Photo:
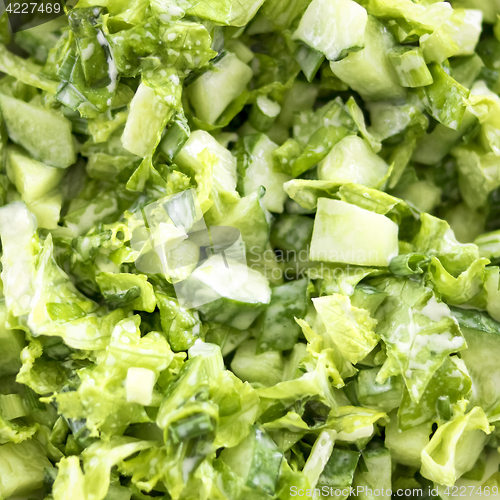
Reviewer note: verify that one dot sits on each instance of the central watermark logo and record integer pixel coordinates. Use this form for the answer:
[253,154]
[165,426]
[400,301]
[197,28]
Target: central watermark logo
[170,237]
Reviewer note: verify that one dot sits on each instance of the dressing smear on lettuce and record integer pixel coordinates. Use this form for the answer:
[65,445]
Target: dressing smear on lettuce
[250,250]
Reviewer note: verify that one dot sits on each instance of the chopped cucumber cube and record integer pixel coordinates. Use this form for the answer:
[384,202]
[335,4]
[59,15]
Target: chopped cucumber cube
[352,235]
[139,385]
[45,134]
[205,95]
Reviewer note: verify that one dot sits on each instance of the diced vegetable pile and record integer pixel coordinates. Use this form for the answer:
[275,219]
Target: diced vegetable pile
[249,250]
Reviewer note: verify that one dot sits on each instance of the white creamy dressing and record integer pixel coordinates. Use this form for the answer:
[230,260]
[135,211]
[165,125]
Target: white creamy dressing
[435,310]
[112,70]
[88,52]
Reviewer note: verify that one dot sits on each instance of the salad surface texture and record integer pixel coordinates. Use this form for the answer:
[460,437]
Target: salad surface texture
[250,250]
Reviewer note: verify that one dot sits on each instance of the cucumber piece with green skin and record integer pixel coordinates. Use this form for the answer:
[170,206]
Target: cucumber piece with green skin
[373,60]
[240,49]
[339,472]
[33,179]
[377,475]
[352,235]
[224,164]
[256,166]
[227,337]
[292,233]
[145,122]
[47,210]
[266,368]
[367,297]
[264,113]
[176,136]
[280,331]
[13,406]
[383,397]
[410,67]
[45,134]
[333,27]
[117,492]
[213,91]
[226,291]
[257,460]
[309,60]
[11,344]
[352,161]
[251,219]
[434,146]
[406,446]
[424,195]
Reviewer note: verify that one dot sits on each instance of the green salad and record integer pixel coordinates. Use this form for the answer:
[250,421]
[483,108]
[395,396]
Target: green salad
[250,250]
